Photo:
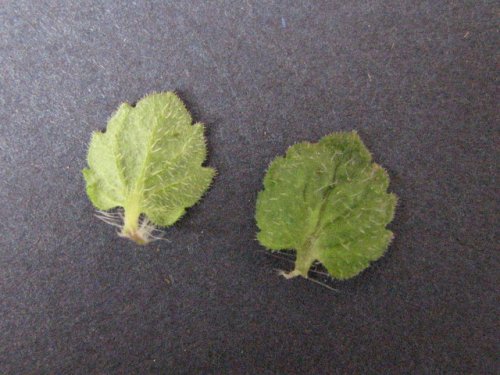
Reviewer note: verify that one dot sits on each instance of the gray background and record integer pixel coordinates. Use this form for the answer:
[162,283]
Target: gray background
[417,79]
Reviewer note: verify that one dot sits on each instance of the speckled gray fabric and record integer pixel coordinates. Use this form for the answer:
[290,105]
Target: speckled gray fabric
[417,79]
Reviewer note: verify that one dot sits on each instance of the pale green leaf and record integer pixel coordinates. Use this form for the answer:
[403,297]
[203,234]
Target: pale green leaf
[149,162]
[327,201]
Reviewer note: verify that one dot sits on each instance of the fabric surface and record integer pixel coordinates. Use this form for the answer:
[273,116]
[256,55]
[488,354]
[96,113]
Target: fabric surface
[416,79]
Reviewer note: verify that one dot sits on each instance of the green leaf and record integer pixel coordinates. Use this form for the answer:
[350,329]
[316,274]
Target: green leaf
[149,162]
[327,201]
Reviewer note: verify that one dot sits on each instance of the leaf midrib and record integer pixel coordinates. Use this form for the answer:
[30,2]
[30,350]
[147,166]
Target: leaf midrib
[138,190]
[317,227]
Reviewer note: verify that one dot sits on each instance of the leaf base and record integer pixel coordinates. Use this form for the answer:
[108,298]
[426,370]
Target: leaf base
[142,233]
[291,274]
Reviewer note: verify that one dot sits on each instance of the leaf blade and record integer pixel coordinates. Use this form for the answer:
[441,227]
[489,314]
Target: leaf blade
[321,197]
[144,148]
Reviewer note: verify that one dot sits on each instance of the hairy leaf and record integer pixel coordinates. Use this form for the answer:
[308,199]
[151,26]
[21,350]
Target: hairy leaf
[327,201]
[149,162]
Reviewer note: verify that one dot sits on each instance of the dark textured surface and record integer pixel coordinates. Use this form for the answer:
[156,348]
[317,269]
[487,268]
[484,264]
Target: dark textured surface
[415,78]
